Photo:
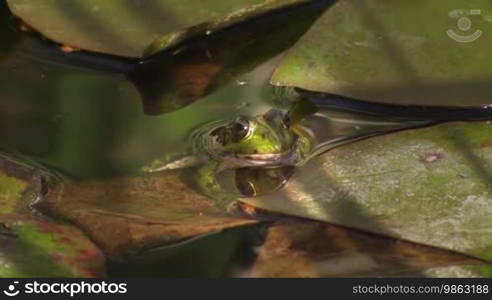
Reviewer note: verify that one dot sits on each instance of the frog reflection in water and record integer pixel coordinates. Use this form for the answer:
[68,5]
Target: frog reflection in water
[261,151]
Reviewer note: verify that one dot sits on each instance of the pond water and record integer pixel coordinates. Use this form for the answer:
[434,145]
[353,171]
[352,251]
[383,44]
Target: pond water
[84,122]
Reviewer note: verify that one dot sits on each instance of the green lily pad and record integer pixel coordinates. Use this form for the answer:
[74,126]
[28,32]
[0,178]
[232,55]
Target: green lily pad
[295,248]
[33,246]
[398,52]
[127,215]
[432,186]
[126,28]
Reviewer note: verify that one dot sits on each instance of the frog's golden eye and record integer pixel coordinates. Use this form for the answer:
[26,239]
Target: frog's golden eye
[240,129]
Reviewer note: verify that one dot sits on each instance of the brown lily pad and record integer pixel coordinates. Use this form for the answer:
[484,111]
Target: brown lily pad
[127,215]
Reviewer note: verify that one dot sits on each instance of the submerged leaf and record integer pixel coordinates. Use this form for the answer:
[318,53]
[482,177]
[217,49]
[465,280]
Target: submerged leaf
[431,186]
[33,247]
[397,52]
[127,215]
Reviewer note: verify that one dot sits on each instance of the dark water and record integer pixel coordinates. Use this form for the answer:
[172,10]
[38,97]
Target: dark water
[86,123]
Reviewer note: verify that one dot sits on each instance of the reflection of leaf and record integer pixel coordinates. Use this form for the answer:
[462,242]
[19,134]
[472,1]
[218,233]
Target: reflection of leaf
[127,215]
[310,249]
[127,27]
[431,186]
[393,51]
[33,246]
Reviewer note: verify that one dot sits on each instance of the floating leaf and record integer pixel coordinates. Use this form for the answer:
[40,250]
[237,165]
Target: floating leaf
[127,215]
[127,27]
[295,248]
[33,246]
[430,186]
[396,51]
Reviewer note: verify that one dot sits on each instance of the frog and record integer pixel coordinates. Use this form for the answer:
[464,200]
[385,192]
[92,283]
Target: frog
[261,151]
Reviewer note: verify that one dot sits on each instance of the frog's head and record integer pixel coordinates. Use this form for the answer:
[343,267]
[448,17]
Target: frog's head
[265,140]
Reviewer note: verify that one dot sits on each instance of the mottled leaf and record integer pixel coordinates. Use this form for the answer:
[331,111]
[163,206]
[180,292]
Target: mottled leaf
[32,245]
[35,247]
[431,186]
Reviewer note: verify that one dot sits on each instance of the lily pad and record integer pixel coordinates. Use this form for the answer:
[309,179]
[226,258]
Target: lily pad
[398,52]
[126,28]
[431,186]
[298,248]
[34,246]
[127,215]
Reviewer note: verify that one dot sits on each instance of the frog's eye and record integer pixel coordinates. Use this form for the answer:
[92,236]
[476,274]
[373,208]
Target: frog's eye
[240,129]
